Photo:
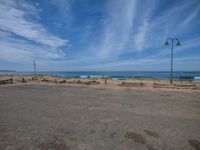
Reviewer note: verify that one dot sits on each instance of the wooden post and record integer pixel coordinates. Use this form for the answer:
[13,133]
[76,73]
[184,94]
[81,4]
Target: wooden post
[34,67]
[105,80]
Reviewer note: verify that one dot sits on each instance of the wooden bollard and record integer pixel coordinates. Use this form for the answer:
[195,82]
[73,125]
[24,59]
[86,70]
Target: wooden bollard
[11,80]
[105,81]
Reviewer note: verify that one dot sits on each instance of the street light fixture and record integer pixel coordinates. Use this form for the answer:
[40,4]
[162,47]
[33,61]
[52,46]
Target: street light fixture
[166,43]
[172,47]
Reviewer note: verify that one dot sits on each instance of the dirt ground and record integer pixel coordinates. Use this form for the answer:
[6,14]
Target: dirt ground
[41,117]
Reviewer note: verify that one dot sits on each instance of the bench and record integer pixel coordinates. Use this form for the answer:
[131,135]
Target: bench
[141,84]
[7,81]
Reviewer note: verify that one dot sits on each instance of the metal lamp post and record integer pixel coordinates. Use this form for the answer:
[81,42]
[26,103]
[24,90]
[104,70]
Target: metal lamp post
[172,48]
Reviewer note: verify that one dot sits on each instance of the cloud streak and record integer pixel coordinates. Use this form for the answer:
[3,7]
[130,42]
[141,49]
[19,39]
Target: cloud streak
[117,27]
[13,19]
[16,50]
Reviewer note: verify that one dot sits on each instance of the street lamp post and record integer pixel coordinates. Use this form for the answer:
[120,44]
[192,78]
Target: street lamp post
[172,49]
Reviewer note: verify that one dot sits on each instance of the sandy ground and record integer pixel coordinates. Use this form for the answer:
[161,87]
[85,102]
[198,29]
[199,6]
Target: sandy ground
[43,117]
[132,83]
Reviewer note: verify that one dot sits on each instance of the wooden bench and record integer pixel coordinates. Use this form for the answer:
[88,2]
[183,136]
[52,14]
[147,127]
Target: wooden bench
[185,85]
[177,86]
[141,84]
[159,85]
[93,82]
[7,81]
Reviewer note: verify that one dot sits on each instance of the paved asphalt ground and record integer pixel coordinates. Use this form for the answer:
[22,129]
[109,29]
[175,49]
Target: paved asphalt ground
[72,118]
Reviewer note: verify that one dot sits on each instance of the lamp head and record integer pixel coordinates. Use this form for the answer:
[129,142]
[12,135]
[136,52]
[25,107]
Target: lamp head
[166,43]
[178,44]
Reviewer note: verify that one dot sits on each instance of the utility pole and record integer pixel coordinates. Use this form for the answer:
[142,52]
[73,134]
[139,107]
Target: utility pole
[34,68]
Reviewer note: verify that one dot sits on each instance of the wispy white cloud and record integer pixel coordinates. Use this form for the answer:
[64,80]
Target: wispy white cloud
[22,38]
[117,26]
[21,51]
[140,37]
[63,7]
[13,18]
[137,27]
[191,16]
[155,28]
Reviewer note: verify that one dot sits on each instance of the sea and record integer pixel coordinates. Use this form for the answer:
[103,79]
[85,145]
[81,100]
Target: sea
[118,75]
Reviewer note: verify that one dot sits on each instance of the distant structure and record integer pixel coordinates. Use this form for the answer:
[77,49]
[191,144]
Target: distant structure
[34,68]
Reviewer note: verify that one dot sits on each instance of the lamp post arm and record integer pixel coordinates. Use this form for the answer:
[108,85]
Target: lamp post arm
[176,39]
[169,39]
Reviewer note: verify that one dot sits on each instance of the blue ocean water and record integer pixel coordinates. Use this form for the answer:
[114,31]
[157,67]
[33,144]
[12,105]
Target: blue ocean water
[120,75]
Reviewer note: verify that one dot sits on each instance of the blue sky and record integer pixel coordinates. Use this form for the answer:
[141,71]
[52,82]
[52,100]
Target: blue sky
[91,35]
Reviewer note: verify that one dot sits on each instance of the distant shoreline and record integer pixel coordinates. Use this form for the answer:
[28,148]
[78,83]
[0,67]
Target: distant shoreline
[120,75]
[7,71]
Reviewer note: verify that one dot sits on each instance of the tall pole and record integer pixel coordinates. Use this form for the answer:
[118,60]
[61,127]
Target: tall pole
[172,47]
[172,51]
[34,67]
